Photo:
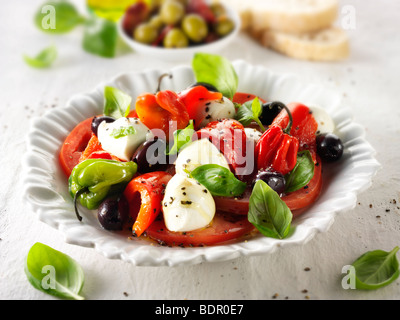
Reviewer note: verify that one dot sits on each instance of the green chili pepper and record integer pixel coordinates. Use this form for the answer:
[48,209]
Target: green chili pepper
[92,180]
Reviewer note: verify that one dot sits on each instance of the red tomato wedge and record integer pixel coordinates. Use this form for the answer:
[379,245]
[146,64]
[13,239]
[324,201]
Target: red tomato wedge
[74,145]
[296,200]
[224,228]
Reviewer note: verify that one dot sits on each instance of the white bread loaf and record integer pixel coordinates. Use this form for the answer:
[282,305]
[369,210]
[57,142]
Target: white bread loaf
[330,44]
[292,16]
[301,29]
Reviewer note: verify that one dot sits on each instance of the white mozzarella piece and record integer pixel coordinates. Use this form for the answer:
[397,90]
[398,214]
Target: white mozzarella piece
[253,134]
[324,120]
[187,205]
[198,153]
[218,109]
[129,140]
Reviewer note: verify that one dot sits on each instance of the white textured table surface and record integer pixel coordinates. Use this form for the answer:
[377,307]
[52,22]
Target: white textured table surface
[369,81]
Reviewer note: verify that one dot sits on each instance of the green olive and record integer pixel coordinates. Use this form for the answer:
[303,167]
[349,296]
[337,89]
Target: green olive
[175,38]
[172,12]
[156,21]
[224,26]
[145,33]
[218,9]
[195,27]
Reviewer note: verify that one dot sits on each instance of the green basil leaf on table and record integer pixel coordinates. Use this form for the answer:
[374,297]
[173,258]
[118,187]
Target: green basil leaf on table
[181,138]
[376,269]
[250,111]
[217,71]
[116,102]
[219,180]
[268,212]
[43,59]
[54,272]
[302,173]
[100,37]
[57,17]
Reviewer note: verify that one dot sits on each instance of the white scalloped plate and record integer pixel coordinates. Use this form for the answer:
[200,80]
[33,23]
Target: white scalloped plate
[46,190]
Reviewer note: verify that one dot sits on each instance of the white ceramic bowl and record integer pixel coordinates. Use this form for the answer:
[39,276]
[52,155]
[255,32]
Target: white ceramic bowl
[182,54]
[46,190]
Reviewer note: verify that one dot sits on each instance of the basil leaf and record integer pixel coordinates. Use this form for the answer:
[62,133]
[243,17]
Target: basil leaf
[53,272]
[219,180]
[302,172]
[268,212]
[181,138]
[250,111]
[122,132]
[43,59]
[100,37]
[376,269]
[57,17]
[117,103]
[217,71]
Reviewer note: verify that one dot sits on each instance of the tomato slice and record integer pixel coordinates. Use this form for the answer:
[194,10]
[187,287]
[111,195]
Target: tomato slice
[74,145]
[224,228]
[296,201]
[304,197]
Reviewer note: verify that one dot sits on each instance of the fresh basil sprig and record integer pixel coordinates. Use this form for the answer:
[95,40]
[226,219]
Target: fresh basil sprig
[268,212]
[100,37]
[219,180]
[250,111]
[43,59]
[217,71]
[116,102]
[376,269]
[181,138]
[54,272]
[57,17]
[302,173]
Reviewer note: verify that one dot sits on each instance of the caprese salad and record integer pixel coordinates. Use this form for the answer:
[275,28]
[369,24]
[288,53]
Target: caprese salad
[203,166]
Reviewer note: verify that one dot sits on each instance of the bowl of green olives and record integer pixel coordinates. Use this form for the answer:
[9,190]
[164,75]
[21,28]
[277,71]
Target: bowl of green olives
[176,29]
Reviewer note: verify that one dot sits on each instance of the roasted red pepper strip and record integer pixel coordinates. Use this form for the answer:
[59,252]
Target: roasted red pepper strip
[194,100]
[277,149]
[229,137]
[94,150]
[146,190]
[163,111]
[303,128]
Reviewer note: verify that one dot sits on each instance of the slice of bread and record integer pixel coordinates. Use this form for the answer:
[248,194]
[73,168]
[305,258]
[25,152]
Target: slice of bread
[330,44]
[292,16]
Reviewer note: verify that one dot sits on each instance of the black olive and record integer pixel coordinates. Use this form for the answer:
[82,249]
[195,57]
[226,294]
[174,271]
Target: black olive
[269,111]
[274,179]
[151,156]
[329,147]
[208,86]
[97,120]
[113,212]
